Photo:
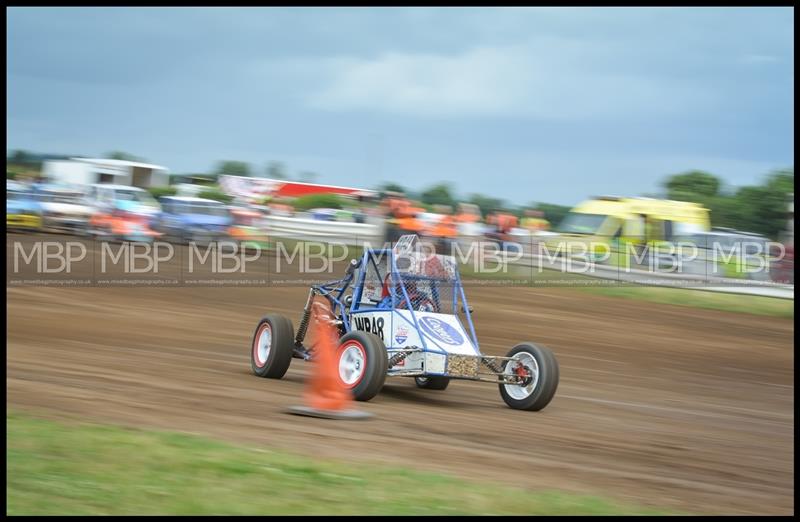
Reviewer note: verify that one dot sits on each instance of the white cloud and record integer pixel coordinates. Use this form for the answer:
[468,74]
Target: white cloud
[480,81]
[546,78]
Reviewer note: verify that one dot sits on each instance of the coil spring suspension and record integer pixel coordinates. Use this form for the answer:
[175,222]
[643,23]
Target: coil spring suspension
[397,358]
[492,365]
[303,327]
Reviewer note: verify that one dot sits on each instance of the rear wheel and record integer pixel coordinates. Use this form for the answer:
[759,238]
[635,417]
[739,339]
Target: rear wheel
[202,239]
[272,347]
[538,368]
[432,382]
[101,230]
[363,362]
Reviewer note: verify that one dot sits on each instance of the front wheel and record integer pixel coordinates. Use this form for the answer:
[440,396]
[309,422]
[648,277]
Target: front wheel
[538,369]
[272,347]
[106,234]
[363,362]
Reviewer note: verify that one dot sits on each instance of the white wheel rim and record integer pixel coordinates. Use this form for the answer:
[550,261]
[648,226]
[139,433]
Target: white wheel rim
[516,391]
[351,364]
[264,345]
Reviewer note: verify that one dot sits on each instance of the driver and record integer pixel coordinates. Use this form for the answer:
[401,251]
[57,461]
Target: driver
[420,300]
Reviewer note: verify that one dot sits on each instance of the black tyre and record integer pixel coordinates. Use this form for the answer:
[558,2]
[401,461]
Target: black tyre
[539,366]
[363,362]
[272,347]
[104,233]
[431,382]
[182,237]
[202,239]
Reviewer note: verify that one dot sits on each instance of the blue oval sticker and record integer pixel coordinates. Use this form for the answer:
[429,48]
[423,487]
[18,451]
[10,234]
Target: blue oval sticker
[441,331]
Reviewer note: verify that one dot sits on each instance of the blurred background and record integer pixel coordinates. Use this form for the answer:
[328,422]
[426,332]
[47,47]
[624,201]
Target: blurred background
[624,131]
[497,127]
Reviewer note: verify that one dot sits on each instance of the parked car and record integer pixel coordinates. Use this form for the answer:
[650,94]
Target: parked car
[23,211]
[782,267]
[324,214]
[122,213]
[64,208]
[123,198]
[184,219]
[617,230]
[725,252]
[248,228]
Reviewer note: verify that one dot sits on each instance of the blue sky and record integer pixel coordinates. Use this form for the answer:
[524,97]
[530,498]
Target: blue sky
[527,104]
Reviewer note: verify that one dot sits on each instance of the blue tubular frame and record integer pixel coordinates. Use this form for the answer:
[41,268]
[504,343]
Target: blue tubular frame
[467,312]
[327,290]
[356,274]
[457,289]
[358,289]
[334,291]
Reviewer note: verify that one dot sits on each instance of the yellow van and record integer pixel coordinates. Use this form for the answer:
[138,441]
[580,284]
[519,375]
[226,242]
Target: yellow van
[607,225]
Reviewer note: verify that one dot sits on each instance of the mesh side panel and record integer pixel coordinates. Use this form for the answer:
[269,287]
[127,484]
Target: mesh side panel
[426,295]
[372,287]
[427,265]
[463,365]
[372,291]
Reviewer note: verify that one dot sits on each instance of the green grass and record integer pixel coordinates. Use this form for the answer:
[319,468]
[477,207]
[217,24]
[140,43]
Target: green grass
[751,304]
[55,468]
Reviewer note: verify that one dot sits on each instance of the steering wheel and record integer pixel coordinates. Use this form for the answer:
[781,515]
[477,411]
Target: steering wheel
[427,306]
[420,302]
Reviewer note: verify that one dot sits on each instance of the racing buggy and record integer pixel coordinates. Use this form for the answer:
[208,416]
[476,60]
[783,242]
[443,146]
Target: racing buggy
[399,313]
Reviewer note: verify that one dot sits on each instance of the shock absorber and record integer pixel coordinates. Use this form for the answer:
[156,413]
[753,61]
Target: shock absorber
[492,365]
[303,327]
[397,358]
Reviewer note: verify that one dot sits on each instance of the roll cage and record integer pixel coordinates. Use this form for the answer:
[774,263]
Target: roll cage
[424,282]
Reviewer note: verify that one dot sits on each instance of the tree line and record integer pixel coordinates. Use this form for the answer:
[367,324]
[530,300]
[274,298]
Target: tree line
[761,208]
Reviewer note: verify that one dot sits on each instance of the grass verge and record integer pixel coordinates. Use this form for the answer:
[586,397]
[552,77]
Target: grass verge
[697,298]
[751,304]
[55,468]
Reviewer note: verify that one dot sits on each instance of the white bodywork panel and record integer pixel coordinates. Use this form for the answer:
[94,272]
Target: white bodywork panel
[66,208]
[434,363]
[442,332]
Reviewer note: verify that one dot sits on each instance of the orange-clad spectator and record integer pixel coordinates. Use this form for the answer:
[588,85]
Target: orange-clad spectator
[407,220]
[502,223]
[444,227]
[505,222]
[401,217]
[468,213]
[443,230]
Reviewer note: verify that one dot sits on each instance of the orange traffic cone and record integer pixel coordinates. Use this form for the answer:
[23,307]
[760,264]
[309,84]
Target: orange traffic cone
[325,395]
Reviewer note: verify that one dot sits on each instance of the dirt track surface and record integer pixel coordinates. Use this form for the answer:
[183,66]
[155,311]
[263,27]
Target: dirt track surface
[658,405]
